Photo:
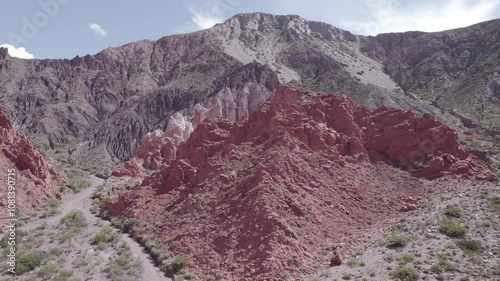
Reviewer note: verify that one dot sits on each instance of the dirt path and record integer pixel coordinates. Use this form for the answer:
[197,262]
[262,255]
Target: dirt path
[83,201]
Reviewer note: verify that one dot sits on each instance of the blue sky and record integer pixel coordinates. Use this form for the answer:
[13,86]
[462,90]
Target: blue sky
[66,28]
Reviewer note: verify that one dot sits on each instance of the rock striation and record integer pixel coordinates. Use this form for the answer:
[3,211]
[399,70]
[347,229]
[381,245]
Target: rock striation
[35,179]
[106,103]
[253,199]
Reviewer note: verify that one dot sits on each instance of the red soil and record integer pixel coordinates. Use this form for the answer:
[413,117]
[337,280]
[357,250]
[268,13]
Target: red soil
[36,180]
[254,199]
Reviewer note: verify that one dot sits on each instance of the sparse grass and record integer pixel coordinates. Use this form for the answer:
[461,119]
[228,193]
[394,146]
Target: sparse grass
[74,219]
[406,258]
[469,246]
[158,252]
[405,274]
[106,235]
[444,267]
[444,256]
[184,276]
[352,262]
[494,204]
[397,241]
[28,262]
[51,207]
[451,229]
[177,264]
[124,266]
[454,212]
[76,180]
[48,271]
[495,271]
[72,225]
[346,276]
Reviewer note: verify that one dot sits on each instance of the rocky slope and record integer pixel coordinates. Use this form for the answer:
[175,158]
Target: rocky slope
[273,193]
[35,179]
[105,104]
[454,69]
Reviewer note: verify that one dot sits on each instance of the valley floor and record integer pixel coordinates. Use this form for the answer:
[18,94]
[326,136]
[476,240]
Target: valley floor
[68,242]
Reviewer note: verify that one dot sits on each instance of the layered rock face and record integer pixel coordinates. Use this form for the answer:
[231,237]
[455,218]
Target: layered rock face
[159,148]
[455,68]
[253,199]
[108,102]
[36,180]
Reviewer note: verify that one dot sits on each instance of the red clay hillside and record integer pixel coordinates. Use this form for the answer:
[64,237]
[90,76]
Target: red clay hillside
[272,194]
[36,180]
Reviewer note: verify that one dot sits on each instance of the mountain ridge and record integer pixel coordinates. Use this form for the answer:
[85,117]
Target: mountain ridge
[117,96]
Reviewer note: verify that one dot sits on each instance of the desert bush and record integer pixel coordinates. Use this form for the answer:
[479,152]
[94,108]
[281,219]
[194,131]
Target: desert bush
[453,212]
[444,256]
[406,258]
[444,266]
[74,219]
[124,265]
[128,224]
[397,241]
[469,246]
[28,262]
[494,203]
[451,229]
[405,274]
[352,262]
[106,235]
[177,264]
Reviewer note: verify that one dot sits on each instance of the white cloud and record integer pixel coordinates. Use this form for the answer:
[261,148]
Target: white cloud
[390,16]
[17,52]
[205,18]
[98,30]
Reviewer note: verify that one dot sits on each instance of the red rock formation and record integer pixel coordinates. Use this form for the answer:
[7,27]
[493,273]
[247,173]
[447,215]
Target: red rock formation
[253,199]
[158,149]
[36,180]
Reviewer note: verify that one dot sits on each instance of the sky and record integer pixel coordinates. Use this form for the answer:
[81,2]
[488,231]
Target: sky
[67,28]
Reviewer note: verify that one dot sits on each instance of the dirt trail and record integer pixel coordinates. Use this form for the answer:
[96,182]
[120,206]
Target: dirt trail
[83,202]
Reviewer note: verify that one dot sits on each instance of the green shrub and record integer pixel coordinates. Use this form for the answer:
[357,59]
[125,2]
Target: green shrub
[469,246]
[74,219]
[177,264]
[451,229]
[444,256]
[106,235]
[494,203]
[453,212]
[28,262]
[405,274]
[352,262]
[406,258]
[444,266]
[64,275]
[48,271]
[397,241]
[127,225]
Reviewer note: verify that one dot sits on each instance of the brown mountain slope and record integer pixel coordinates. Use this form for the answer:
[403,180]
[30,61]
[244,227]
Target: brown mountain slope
[254,199]
[455,68]
[104,104]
